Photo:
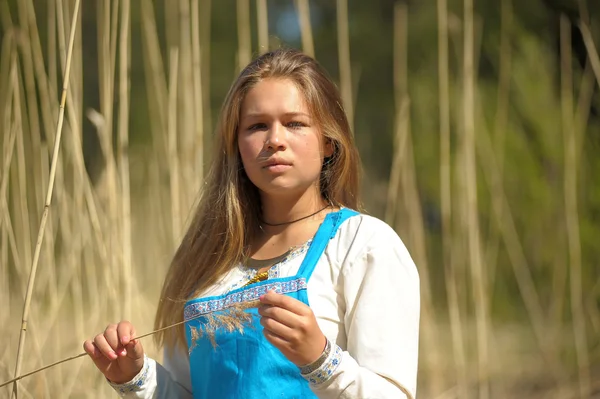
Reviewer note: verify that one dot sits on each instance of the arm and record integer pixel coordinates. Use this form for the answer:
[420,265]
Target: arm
[157,381]
[381,292]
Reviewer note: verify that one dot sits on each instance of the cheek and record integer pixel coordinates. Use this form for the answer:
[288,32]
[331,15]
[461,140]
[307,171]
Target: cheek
[246,150]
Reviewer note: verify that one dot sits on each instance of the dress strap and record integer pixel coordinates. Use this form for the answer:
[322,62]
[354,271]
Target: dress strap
[326,231]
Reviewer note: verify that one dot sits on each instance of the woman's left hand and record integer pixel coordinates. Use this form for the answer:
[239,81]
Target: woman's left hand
[292,328]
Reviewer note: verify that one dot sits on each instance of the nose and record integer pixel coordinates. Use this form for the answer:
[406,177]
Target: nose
[275,139]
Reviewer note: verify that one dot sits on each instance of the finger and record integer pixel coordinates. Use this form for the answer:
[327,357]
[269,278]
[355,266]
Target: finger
[284,301]
[90,349]
[128,345]
[275,327]
[282,315]
[135,350]
[112,337]
[104,347]
[275,339]
[125,332]
[96,355]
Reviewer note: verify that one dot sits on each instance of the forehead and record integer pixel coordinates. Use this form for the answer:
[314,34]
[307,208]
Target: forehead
[272,96]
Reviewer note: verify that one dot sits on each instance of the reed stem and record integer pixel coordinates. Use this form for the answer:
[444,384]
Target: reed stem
[38,246]
[303,10]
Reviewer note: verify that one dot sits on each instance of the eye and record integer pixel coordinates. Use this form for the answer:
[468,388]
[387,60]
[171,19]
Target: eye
[257,126]
[295,125]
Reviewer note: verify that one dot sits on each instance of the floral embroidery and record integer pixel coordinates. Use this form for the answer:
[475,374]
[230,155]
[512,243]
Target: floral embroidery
[251,294]
[324,373]
[274,271]
[138,382]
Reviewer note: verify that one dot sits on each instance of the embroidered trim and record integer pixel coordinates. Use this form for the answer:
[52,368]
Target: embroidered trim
[251,294]
[309,368]
[137,383]
[324,373]
[249,273]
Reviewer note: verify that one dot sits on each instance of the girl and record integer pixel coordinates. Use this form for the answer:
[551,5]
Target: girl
[338,313]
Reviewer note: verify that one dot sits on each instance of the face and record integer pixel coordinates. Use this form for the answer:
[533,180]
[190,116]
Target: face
[281,147]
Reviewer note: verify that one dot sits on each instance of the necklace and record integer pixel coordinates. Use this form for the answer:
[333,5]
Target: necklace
[294,221]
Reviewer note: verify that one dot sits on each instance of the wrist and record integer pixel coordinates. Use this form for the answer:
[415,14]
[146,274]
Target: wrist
[318,362]
[131,380]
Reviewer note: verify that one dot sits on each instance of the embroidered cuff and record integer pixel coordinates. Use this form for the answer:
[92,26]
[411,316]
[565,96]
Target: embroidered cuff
[326,370]
[136,384]
[309,368]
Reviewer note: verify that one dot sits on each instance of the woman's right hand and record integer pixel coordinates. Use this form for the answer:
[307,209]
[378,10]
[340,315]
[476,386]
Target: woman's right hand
[116,353]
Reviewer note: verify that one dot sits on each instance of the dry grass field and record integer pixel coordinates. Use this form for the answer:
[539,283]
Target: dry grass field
[101,253]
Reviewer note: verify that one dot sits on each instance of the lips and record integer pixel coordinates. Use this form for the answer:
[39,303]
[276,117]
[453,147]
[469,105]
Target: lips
[276,166]
[276,162]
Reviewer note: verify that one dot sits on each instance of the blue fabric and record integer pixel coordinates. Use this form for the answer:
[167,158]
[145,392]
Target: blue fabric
[247,365]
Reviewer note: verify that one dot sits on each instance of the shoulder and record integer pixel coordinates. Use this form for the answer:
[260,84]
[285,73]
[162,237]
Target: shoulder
[363,236]
[367,248]
[367,232]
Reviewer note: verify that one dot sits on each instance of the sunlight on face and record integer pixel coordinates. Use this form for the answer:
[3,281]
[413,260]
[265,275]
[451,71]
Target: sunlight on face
[280,144]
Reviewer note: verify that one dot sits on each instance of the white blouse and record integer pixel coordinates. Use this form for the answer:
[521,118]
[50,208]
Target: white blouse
[364,293]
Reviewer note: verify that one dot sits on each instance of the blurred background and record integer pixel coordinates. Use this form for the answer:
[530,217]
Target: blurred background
[478,124]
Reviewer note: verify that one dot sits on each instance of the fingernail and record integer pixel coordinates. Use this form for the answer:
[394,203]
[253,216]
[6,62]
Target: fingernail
[123,352]
[125,339]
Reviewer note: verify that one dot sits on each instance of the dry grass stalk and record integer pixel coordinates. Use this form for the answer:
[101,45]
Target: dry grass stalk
[456,329]
[171,22]
[62,42]
[402,114]
[20,194]
[46,91]
[303,10]
[107,33]
[7,59]
[158,107]
[478,277]
[571,208]
[243,31]
[343,36]
[32,274]
[173,154]
[232,319]
[51,35]
[30,98]
[5,17]
[504,219]
[19,191]
[500,125]
[198,161]
[31,141]
[123,151]
[156,82]
[409,187]
[205,53]
[8,146]
[187,118]
[591,50]
[584,105]
[262,25]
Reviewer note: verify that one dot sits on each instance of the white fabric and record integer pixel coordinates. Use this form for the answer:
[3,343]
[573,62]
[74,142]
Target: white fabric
[365,295]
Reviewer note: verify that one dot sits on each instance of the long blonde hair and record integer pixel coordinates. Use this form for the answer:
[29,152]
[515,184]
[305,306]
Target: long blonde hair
[227,215]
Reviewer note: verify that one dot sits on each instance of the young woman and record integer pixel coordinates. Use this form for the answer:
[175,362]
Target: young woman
[338,313]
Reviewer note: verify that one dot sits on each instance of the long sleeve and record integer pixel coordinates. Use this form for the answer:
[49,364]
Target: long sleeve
[171,380]
[381,296]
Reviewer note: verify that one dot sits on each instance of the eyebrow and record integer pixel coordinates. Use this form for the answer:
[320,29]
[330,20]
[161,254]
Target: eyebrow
[262,114]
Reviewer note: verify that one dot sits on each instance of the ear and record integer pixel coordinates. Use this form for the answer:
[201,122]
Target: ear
[328,148]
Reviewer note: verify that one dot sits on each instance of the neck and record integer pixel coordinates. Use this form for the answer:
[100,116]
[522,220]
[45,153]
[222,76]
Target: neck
[276,209]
